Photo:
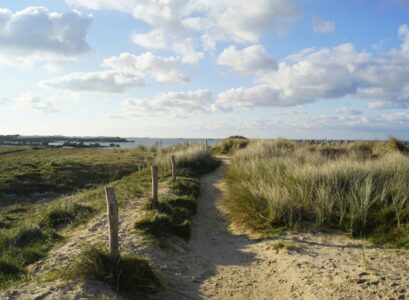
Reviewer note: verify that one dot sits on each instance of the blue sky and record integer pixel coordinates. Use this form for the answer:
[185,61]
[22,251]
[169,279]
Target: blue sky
[203,68]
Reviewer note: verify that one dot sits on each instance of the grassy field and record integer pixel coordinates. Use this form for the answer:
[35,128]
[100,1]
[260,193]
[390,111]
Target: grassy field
[24,170]
[361,188]
[29,229]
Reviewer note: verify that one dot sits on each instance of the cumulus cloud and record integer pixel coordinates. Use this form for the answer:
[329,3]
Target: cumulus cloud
[237,21]
[323,26]
[162,69]
[176,103]
[32,102]
[250,60]
[38,34]
[121,73]
[331,73]
[183,25]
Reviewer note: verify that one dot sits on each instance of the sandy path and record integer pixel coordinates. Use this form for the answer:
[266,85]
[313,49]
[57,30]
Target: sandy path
[220,264]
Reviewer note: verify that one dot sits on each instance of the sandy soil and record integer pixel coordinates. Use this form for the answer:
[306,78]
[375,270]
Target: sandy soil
[222,263]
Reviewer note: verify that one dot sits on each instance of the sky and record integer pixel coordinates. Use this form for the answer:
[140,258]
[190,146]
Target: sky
[300,69]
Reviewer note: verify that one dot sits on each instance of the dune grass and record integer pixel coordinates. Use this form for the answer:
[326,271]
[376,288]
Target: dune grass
[173,215]
[130,275]
[361,188]
[231,145]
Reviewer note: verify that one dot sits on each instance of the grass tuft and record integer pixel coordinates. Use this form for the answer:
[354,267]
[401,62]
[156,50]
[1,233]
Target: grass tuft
[130,275]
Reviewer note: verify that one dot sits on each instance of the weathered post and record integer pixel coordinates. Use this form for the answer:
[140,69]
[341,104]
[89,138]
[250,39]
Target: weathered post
[174,169]
[206,146]
[187,143]
[113,223]
[155,171]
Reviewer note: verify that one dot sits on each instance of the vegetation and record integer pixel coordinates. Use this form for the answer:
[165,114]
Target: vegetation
[231,145]
[360,187]
[130,274]
[28,230]
[172,217]
[25,170]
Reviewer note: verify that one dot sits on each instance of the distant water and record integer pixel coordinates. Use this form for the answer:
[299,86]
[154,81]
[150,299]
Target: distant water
[151,141]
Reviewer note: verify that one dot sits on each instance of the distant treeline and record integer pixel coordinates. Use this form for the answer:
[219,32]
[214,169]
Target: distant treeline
[45,140]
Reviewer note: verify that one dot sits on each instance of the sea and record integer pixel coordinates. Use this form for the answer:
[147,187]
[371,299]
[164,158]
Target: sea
[135,142]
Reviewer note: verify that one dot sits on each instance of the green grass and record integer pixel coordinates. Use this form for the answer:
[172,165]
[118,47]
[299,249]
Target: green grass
[173,215]
[130,275]
[360,188]
[29,230]
[24,171]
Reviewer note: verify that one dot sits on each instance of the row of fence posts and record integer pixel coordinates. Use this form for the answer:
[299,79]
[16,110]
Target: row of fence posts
[112,208]
[112,205]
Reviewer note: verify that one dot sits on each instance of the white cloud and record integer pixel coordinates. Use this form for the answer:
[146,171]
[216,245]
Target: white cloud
[241,21]
[182,25]
[35,34]
[331,73]
[350,111]
[162,69]
[31,102]
[250,60]
[102,81]
[184,47]
[122,72]
[155,39]
[323,26]
[175,103]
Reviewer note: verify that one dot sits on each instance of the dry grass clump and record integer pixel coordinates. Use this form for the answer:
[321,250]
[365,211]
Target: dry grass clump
[130,274]
[361,187]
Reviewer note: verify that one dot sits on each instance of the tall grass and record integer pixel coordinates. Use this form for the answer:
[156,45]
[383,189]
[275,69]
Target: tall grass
[194,158]
[230,145]
[361,187]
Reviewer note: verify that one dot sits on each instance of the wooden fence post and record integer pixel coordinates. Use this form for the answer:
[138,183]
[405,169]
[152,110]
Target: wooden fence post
[187,143]
[113,223]
[206,146]
[174,169]
[155,172]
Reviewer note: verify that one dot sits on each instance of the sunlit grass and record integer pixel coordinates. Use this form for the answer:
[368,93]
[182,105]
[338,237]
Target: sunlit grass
[360,188]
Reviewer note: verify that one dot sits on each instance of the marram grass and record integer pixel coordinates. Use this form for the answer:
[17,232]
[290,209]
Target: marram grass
[362,188]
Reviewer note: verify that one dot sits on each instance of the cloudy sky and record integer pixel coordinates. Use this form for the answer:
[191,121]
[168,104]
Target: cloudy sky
[205,68]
